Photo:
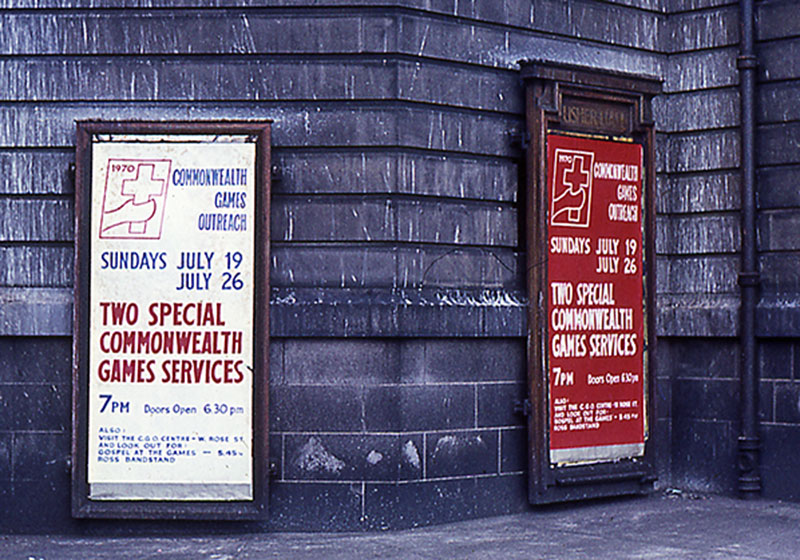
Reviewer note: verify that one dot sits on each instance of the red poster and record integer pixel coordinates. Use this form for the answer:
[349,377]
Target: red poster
[595,300]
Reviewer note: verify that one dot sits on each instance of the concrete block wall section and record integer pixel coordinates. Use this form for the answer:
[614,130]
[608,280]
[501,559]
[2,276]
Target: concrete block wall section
[698,203]
[35,397]
[382,416]
[698,183]
[697,243]
[780,416]
[778,40]
[778,44]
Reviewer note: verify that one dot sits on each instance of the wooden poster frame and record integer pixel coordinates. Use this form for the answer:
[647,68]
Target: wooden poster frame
[89,133]
[601,105]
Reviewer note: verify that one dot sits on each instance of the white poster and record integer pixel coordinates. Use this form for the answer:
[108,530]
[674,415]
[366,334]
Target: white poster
[171,318]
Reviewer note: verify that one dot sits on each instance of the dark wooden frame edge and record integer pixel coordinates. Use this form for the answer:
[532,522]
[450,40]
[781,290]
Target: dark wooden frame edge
[82,506]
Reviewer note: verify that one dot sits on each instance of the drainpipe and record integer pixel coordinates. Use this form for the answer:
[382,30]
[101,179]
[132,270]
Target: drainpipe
[748,457]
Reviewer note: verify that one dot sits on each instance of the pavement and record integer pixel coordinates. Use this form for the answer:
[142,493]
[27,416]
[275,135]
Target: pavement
[669,526]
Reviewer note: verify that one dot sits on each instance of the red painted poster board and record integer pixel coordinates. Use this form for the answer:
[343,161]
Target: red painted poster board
[595,314]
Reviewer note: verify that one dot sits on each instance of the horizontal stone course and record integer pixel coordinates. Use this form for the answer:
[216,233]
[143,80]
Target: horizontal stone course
[697,234]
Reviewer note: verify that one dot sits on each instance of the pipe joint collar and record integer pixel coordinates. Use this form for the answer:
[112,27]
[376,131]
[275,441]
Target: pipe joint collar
[749,278]
[749,444]
[746,62]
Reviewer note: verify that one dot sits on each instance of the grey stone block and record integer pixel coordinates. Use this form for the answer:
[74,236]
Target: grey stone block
[438,83]
[36,220]
[461,268]
[779,466]
[471,223]
[777,230]
[701,70]
[393,170]
[110,78]
[35,360]
[325,506]
[703,151]
[472,360]
[714,315]
[353,457]
[777,102]
[698,466]
[697,110]
[766,401]
[38,265]
[707,29]
[342,362]
[709,191]
[776,20]
[777,144]
[35,407]
[5,458]
[779,60]
[315,408]
[697,275]
[172,32]
[461,453]
[697,234]
[778,314]
[41,456]
[326,266]
[706,399]
[332,219]
[513,450]
[36,172]
[780,273]
[458,176]
[496,403]
[418,408]
[778,187]
[775,359]
[36,311]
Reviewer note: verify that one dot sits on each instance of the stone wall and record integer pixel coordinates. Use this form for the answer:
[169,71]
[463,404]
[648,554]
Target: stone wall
[398,306]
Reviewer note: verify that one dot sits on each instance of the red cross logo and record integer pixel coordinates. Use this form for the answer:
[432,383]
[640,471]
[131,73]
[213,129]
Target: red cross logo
[571,197]
[133,203]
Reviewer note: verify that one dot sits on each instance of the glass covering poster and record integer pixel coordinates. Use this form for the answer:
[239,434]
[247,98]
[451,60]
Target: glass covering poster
[171,318]
[595,294]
